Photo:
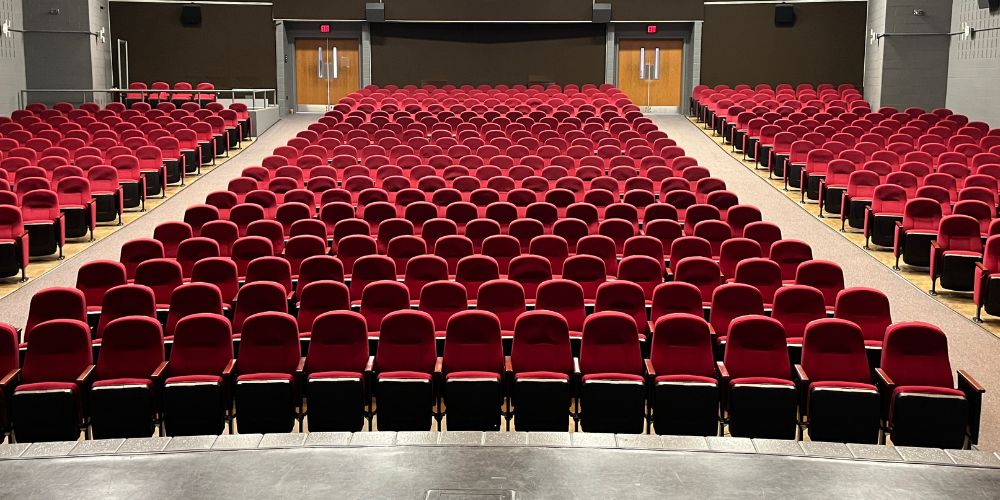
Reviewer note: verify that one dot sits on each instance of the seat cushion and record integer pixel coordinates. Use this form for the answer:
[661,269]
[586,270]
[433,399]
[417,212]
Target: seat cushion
[761,381]
[116,382]
[962,253]
[264,377]
[405,375]
[612,377]
[842,385]
[686,379]
[194,379]
[541,376]
[927,389]
[335,375]
[47,386]
[473,375]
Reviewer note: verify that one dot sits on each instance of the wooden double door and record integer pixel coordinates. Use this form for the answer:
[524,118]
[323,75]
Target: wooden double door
[326,69]
[650,71]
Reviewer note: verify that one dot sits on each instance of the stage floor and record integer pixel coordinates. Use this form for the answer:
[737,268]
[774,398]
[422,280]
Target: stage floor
[476,465]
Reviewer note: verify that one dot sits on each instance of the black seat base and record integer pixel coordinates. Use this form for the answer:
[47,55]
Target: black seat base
[685,409]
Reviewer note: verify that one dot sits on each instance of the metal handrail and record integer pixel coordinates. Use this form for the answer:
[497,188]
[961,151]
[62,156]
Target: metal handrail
[267,97]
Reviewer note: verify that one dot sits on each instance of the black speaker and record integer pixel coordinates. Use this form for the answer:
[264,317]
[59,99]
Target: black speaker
[989,4]
[191,15]
[784,15]
[602,13]
[375,12]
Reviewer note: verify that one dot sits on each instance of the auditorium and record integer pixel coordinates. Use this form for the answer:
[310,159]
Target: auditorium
[499,249]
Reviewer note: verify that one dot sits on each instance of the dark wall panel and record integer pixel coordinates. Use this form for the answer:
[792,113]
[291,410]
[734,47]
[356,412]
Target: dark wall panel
[233,47]
[740,44]
[488,10]
[487,53]
[336,10]
[657,10]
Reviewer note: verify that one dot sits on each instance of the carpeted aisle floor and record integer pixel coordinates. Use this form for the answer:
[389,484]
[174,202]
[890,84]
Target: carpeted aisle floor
[971,347]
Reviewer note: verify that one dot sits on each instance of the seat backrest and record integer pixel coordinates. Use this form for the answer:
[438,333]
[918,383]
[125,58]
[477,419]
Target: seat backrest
[55,303]
[731,301]
[916,353]
[203,345]
[269,344]
[682,345]
[756,348]
[126,300]
[339,342]
[834,350]
[192,298]
[472,343]
[58,351]
[610,344]
[318,297]
[257,297]
[504,298]
[541,343]
[406,343]
[131,347]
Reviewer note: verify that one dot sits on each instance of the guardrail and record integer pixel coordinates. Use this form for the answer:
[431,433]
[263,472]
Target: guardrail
[253,98]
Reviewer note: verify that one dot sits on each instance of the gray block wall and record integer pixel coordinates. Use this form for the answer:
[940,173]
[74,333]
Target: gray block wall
[914,69]
[11,57]
[974,65]
[61,51]
[874,53]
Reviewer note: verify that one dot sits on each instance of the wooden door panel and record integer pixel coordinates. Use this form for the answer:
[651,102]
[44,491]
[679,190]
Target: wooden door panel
[348,69]
[309,87]
[663,92]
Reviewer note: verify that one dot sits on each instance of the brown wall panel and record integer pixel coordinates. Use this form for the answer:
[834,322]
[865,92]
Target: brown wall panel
[740,44]
[339,10]
[487,53]
[488,10]
[657,10]
[233,47]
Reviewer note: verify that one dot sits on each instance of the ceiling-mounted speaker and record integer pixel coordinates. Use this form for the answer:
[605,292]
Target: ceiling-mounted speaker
[375,12]
[989,4]
[191,15]
[602,13]
[784,15]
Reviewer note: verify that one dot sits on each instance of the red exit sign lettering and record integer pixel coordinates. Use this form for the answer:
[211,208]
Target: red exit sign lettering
[651,28]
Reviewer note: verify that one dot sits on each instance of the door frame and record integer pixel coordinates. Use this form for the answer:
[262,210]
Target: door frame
[293,30]
[665,31]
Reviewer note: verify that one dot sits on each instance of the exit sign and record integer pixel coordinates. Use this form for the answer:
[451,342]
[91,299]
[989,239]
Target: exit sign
[324,28]
[651,28]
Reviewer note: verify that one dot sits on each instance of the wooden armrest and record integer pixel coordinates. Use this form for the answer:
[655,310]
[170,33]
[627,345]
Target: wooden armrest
[934,247]
[227,372]
[965,383]
[159,371]
[85,376]
[650,370]
[370,367]
[883,380]
[301,368]
[507,365]
[723,372]
[576,367]
[438,365]
[980,267]
[10,379]
[800,375]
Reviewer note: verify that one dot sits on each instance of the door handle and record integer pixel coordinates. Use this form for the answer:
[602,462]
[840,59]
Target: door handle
[656,64]
[336,64]
[642,63]
[319,66]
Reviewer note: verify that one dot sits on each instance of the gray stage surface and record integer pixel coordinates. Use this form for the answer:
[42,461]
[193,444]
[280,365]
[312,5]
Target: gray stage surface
[474,465]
